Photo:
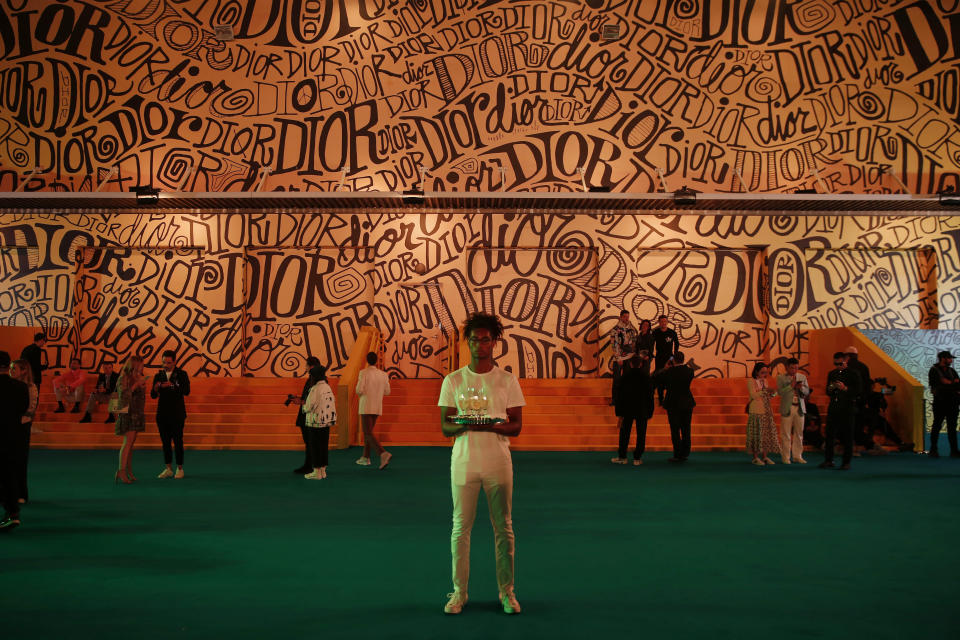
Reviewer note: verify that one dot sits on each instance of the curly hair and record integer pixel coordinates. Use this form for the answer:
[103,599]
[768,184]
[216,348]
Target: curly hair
[480,320]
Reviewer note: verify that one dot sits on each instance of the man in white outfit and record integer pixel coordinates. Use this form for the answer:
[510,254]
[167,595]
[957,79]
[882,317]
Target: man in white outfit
[793,388]
[481,457]
[372,385]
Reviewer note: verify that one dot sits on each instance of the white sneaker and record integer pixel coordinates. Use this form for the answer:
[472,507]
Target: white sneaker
[385,459]
[364,461]
[455,603]
[510,604]
[166,473]
[313,475]
[178,475]
[801,461]
[618,460]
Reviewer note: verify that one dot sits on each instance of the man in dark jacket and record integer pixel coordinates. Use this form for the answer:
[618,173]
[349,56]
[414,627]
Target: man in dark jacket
[843,388]
[170,385]
[106,385]
[675,378]
[945,387]
[14,402]
[36,355]
[634,404]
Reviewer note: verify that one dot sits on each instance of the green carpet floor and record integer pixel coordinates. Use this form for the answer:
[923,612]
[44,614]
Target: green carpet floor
[718,548]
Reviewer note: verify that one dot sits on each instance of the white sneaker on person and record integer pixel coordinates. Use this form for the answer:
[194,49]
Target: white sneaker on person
[313,475]
[178,475]
[510,604]
[166,473]
[455,603]
[363,461]
[618,460]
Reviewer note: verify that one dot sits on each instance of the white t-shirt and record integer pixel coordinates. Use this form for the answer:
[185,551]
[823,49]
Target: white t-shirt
[503,392]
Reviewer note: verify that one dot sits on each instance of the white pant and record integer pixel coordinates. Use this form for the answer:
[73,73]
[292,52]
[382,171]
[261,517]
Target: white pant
[496,478]
[791,435]
[64,394]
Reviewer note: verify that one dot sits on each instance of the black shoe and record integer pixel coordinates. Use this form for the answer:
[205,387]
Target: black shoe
[302,470]
[955,454]
[9,523]
[110,418]
[674,459]
[933,453]
[76,408]
[59,408]
[844,467]
[86,417]
[826,465]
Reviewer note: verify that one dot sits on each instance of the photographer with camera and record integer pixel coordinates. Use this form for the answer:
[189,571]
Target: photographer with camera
[307,466]
[843,389]
[875,408]
[945,387]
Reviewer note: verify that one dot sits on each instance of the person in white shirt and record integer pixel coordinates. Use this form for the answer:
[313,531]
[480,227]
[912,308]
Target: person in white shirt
[320,409]
[793,389]
[372,385]
[481,456]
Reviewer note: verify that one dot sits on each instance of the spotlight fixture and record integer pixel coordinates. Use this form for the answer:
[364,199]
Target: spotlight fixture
[600,189]
[146,195]
[949,198]
[806,192]
[685,195]
[412,196]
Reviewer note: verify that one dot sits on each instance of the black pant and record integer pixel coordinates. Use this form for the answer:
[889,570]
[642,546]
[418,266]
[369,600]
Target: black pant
[318,442]
[944,412]
[680,431]
[659,363]
[617,369]
[22,453]
[626,425]
[304,432]
[171,431]
[13,468]
[839,425]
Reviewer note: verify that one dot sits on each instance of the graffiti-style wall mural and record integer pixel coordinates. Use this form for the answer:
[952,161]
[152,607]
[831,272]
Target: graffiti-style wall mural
[256,294]
[916,352]
[480,95]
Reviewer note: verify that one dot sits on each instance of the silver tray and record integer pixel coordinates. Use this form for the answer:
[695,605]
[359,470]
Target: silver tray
[467,420]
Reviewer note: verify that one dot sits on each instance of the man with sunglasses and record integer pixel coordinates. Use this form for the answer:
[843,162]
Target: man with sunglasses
[843,389]
[481,456]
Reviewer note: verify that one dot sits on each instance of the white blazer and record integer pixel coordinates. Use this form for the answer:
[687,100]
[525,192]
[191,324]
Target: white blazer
[372,385]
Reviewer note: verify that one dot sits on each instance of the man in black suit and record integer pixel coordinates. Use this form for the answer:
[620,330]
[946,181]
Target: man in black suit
[14,402]
[843,388]
[36,355]
[302,418]
[666,345]
[170,385]
[944,384]
[106,385]
[675,378]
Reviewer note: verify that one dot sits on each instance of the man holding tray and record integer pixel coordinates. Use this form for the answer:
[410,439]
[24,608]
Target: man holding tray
[481,406]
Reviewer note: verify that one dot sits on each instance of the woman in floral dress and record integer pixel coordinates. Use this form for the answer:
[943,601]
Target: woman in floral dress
[761,428]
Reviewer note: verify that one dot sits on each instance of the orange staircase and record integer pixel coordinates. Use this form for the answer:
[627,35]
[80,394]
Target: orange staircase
[248,413]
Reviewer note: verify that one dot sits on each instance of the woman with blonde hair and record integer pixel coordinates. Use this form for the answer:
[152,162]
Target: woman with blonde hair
[20,370]
[132,394]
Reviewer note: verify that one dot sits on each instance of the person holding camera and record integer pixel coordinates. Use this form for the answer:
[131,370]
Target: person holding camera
[793,389]
[945,387]
[875,410]
[170,386]
[843,389]
[307,466]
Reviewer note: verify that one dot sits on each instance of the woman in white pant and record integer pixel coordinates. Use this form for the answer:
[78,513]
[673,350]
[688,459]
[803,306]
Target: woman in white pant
[481,456]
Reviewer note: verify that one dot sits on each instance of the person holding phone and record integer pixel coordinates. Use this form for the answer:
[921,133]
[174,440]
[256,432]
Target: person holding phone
[132,393]
[170,386]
